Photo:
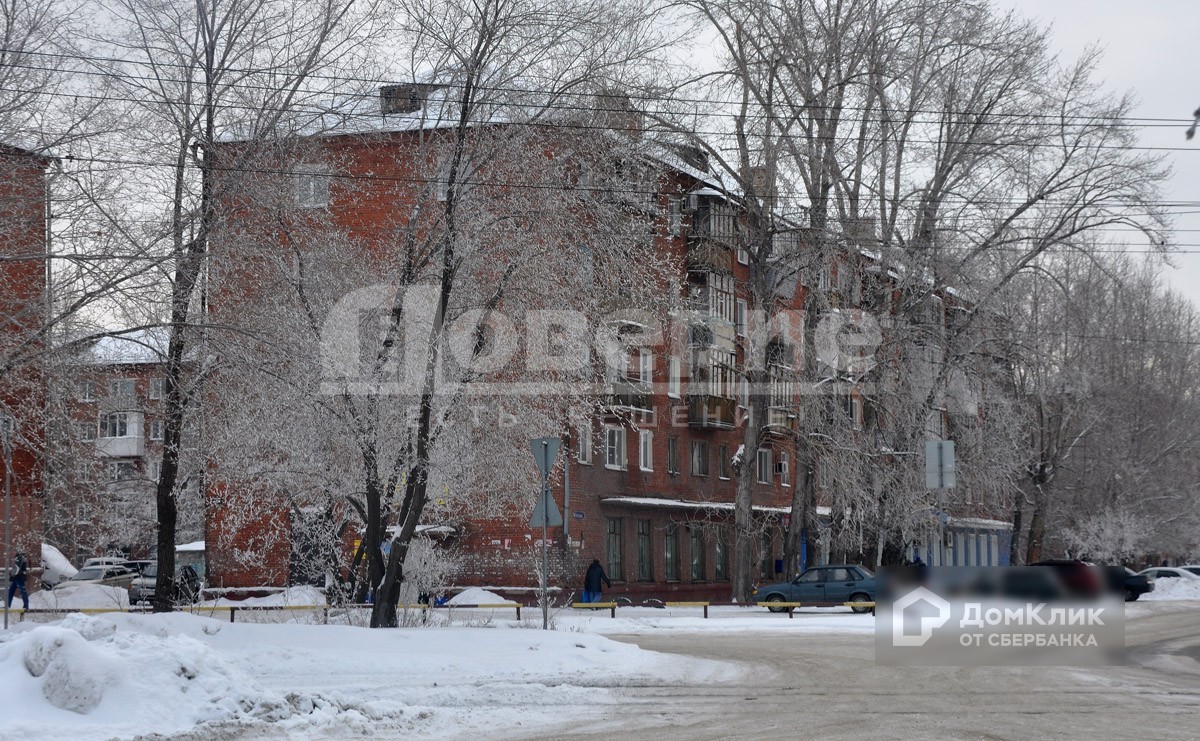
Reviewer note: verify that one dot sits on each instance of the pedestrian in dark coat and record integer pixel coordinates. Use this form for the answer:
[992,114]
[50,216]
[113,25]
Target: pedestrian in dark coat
[591,581]
[20,571]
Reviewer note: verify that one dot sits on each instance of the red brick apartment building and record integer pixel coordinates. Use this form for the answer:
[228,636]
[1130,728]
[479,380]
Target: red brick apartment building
[649,483]
[23,276]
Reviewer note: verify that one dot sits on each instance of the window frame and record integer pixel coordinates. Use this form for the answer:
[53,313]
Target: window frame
[645,550]
[646,450]
[583,451]
[761,456]
[673,455]
[158,388]
[674,378]
[671,552]
[700,458]
[615,444]
[697,566]
[614,543]
[723,462]
[106,424]
[310,185]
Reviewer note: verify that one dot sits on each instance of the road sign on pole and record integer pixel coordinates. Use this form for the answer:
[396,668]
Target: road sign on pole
[939,464]
[545,514]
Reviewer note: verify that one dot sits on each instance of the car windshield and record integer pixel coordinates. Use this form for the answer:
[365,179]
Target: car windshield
[151,570]
[866,572]
[1193,569]
[89,574]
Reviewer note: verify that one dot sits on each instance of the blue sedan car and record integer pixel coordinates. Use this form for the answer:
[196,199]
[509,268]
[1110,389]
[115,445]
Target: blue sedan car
[834,584]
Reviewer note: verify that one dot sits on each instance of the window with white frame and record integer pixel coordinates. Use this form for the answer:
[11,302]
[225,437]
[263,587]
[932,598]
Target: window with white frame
[614,447]
[721,296]
[673,455]
[743,256]
[699,458]
[739,319]
[312,186]
[764,466]
[87,431]
[158,388]
[645,365]
[85,391]
[585,446]
[156,429]
[646,450]
[784,467]
[674,216]
[723,462]
[114,424]
[154,470]
[674,383]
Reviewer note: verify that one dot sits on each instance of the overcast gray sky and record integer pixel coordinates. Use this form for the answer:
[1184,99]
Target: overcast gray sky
[1149,49]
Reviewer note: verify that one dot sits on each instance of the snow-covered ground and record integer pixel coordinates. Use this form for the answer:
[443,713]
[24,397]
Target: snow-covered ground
[467,672]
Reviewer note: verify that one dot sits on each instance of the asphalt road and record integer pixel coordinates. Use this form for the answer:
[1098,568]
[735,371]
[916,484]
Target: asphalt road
[828,687]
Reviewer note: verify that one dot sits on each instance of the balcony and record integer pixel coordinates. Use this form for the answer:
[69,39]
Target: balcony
[626,393]
[779,420]
[706,254]
[130,446]
[712,412]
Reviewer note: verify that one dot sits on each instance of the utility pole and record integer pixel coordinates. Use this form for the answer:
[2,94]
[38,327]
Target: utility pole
[6,430]
[545,450]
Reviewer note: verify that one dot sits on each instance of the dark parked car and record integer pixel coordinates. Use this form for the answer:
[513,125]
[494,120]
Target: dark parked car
[1133,585]
[822,585]
[1079,578]
[187,585]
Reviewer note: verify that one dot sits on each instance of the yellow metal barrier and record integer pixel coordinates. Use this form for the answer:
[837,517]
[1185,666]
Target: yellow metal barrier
[610,606]
[690,604]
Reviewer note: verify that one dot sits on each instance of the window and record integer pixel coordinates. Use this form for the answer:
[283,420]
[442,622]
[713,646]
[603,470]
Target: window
[312,186]
[699,458]
[784,469]
[121,388]
[585,446]
[645,366]
[614,447]
[722,296]
[114,425]
[616,565]
[156,429]
[154,470]
[673,455]
[743,256]
[85,391]
[674,383]
[646,450]
[120,471]
[158,388]
[87,431]
[644,552]
[764,466]
[739,318]
[697,553]
[671,553]
[722,555]
[674,215]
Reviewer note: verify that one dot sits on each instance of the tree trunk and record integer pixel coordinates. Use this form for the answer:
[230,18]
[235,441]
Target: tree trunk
[1037,526]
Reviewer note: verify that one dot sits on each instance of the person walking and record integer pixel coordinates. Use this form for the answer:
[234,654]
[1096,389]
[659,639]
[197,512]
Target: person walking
[20,570]
[591,581]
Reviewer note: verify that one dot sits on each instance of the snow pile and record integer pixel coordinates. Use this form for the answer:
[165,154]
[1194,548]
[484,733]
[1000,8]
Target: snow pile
[1179,588]
[302,596]
[477,596]
[55,564]
[86,678]
[80,597]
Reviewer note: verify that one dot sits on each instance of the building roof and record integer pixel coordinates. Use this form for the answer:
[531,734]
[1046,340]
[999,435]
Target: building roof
[142,346]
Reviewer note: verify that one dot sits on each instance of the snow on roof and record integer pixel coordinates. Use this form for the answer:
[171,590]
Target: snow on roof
[980,522]
[129,348]
[195,545]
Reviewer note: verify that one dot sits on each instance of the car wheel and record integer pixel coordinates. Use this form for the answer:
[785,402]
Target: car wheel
[860,597]
[1130,595]
[775,598]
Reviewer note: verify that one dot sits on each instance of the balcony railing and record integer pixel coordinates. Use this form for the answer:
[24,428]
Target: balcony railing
[627,393]
[714,412]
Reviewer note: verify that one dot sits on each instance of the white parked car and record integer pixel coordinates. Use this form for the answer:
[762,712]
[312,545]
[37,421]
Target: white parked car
[109,576]
[1192,567]
[1169,572]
